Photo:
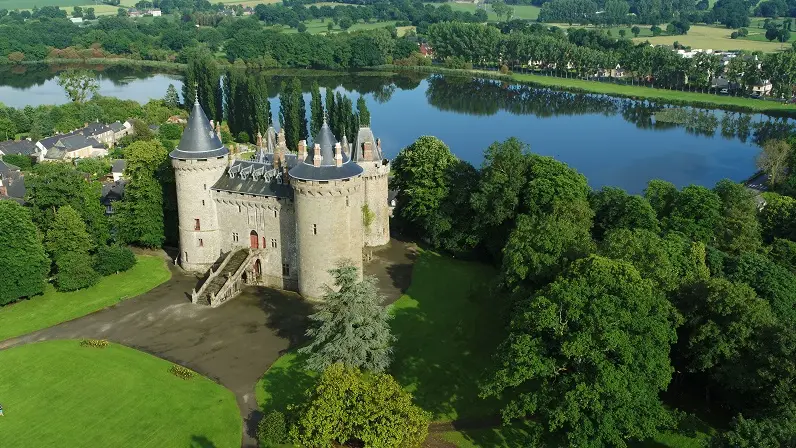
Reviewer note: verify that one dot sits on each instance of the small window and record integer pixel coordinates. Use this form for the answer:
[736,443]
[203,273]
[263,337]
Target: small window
[196,225]
[346,201]
[203,202]
[238,208]
[315,229]
[264,243]
[274,213]
[273,242]
[205,186]
[235,236]
[285,270]
[201,243]
[185,257]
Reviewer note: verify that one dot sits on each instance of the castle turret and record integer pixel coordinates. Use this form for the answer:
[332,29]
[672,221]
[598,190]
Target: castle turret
[198,161]
[367,154]
[328,195]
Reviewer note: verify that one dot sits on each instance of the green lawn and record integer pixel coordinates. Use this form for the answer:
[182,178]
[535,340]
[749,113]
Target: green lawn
[316,26]
[526,12]
[447,327]
[59,394]
[55,307]
[659,94]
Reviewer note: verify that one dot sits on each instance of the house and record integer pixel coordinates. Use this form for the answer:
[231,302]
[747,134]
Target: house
[117,169]
[20,147]
[70,146]
[763,89]
[99,132]
[176,119]
[153,13]
[121,129]
[12,183]
[134,13]
[76,19]
[112,192]
[426,50]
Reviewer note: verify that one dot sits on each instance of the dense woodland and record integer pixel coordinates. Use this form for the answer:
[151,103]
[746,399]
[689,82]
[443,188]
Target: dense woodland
[613,299]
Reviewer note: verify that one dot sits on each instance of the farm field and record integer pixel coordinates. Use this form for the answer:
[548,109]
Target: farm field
[59,393]
[54,307]
[526,12]
[317,26]
[715,38]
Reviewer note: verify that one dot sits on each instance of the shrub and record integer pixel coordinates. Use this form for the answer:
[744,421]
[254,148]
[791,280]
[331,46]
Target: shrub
[112,259]
[734,35]
[243,137]
[504,69]
[75,271]
[96,343]
[181,372]
[272,429]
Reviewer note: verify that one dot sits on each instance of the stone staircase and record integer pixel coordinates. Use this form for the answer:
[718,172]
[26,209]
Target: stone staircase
[225,282]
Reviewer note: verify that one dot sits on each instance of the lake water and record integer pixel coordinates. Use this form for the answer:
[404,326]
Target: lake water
[612,141]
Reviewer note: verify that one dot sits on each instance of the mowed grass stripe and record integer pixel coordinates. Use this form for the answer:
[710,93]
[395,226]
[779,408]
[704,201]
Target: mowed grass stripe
[54,307]
[61,394]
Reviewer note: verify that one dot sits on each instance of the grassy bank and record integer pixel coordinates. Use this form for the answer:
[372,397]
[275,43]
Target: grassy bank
[706,100]
[103,61]
[54,307]
[61,394]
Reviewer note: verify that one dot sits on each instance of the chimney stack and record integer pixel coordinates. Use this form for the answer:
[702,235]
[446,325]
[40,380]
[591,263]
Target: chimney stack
[338,155]
[317,158]
[367,151]
[302,150]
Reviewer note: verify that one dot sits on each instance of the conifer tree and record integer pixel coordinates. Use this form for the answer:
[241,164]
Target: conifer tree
[331,108]
[260,105]
[172,99]
[351,327]
[288,115]
[204,76]
[69,244]
[302,110]
[363,112]
[316,109]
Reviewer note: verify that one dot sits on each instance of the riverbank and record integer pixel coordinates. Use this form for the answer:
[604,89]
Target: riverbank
[706,100]
[123,62]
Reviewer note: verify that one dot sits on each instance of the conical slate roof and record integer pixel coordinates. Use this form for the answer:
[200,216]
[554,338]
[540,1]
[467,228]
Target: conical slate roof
[328,170]
[364,135]
[198,141]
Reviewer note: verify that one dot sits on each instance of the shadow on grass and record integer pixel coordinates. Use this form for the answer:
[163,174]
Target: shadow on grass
[447,327]
[518,434]
[284,383]
[201,442]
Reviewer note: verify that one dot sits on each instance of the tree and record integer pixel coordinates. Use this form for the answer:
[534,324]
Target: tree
[772,282]
[172,99]
[420,175]
[363,112]
[588,355]
[139,216]
[773,159]
[696,213]
[78,84]
[772,432]
[170,131]
[778,217]
[89,14]
[113,259]
[351,327]
[77,11]
[740,230]
[661,196]
[23,263]
[783,35]
[203,79]
[783,252]
[69,245]
[316,109]
[614,208]
[501,9]
[345,23]
[622,33]
[635,30]
[347,405]
[291,106]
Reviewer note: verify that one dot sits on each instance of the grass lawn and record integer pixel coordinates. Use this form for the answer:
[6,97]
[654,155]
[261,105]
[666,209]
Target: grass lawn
[716,38]
[447,328]
[55,307]
[660,94]
[526,12]
[61,394]
[316,26]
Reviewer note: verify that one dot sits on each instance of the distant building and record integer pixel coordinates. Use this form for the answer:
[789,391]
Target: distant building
[426,50]
[112,192]
[18,148]
[153,13]
[69,147]
[12,183]
[76,19]
[117,169]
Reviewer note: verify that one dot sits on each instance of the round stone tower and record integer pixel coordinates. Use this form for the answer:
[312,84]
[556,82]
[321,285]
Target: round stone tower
[198,161]
[328,198]
[366,152]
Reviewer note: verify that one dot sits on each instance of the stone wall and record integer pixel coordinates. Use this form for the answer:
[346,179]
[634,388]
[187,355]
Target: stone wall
[329,230]
[375,180]
[199,249]
[274,222]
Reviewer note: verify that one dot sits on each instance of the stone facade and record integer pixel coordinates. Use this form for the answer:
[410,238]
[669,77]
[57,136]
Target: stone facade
[299,214]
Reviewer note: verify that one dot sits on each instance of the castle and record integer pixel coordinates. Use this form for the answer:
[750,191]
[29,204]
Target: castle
[283,219]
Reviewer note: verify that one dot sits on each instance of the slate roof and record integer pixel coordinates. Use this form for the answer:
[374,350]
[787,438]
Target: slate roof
[358,153]
[198,141]
[117,126]
[13,180]
[255,178]
[22,147]
[49,142]
[55,153]
[95,129]
[77,141]
[328,170]
[112,191]
[119,166]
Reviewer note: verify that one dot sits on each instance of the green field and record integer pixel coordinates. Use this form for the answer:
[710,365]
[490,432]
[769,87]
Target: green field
[526,12]
[54,307]
[700,36]
[59,394]
[317,26]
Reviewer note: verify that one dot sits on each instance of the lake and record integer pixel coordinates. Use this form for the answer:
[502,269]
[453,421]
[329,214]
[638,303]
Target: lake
[617,142]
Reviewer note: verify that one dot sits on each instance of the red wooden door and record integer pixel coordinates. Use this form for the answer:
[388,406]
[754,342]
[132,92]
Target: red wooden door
[254,240]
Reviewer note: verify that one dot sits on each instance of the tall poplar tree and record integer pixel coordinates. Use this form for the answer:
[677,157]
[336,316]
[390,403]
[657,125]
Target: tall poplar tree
[288,115]
[363,112]
[316,109]
[330,108]
[203,75]
[69,244]
[302,110]
[23,263]
[261,107]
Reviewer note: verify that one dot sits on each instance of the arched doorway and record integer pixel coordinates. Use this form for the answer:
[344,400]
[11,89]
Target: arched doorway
[258,269]
[254,240]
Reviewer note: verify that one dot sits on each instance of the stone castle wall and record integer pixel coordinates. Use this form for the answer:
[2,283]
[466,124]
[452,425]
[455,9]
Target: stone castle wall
[199,249]
[375,182]
[274,222]
[328,230]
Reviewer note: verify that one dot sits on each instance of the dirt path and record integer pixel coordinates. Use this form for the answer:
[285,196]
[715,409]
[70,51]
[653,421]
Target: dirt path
[233,344]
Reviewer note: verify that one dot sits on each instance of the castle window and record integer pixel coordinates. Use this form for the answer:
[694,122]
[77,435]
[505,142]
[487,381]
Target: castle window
[203,202]
[235,236]
[285,269]
[196,225]
[264,243]
[315,229]
[346,201]
[238,208]
[205,186]
[185,257]
[274,213]
[273,242]
[201,243]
